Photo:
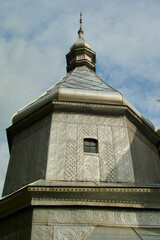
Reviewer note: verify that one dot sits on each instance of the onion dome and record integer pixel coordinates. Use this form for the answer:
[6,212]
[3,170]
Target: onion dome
[80,53]
[80,43]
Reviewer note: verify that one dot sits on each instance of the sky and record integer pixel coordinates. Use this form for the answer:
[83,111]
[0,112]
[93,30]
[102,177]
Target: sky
[35,36]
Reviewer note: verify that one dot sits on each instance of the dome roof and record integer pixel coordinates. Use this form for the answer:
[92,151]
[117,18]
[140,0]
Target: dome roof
[80,43]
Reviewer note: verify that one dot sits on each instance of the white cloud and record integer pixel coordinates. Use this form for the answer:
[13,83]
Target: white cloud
[36,35]
[130,37]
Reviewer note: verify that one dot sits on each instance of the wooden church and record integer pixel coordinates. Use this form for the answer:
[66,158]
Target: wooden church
[83,163]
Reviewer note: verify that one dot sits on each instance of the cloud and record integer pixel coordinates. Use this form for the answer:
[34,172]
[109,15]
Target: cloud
[36,35]
[129,34]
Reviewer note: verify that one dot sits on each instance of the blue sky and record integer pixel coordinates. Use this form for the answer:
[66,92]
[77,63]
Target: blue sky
[35,36]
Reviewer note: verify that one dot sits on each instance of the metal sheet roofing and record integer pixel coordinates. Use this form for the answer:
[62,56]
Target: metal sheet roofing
[80,85]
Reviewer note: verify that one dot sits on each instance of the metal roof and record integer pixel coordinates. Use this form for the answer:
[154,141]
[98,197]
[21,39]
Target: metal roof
[82,78]
[79,85]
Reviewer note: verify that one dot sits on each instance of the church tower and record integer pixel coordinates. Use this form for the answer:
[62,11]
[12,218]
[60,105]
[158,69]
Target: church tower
[83,162]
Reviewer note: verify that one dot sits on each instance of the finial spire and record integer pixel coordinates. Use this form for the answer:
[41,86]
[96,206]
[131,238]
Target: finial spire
[80,31]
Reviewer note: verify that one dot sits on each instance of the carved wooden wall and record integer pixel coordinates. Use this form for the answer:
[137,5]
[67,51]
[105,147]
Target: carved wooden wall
[67,159]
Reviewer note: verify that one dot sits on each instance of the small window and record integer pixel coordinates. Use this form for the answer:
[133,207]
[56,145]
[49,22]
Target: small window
[90,145]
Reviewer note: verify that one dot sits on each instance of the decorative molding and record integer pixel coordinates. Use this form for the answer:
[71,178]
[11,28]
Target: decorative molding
[94,189]
[105,217]
[88,104]
[136,198]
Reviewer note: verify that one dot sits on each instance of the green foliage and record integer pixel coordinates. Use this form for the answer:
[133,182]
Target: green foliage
[158,132]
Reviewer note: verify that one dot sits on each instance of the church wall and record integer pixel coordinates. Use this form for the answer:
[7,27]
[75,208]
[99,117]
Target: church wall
[29,146]
[67,159]
[145,158]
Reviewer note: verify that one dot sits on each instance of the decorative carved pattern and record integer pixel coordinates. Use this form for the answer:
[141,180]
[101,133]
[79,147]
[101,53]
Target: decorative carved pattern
[88,119]
[106,152]
[80,176]
[56,155]
[68,131]
[89,130]
[146,218]
[72,132]
[40,232]
[71,160]
[124,218]
[101,148]
[59,215]
[109,216]
[110,163]
[105,217]
[109,156]
[81,217]
[72,232]
[71,153]
[122,154]
[91,168]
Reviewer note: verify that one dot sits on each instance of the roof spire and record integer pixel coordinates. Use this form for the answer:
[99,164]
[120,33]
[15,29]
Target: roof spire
[80,53]
[80,31]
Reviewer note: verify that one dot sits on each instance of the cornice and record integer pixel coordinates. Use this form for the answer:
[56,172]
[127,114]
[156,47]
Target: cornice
[121,197]
[92,189]
[87,109]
